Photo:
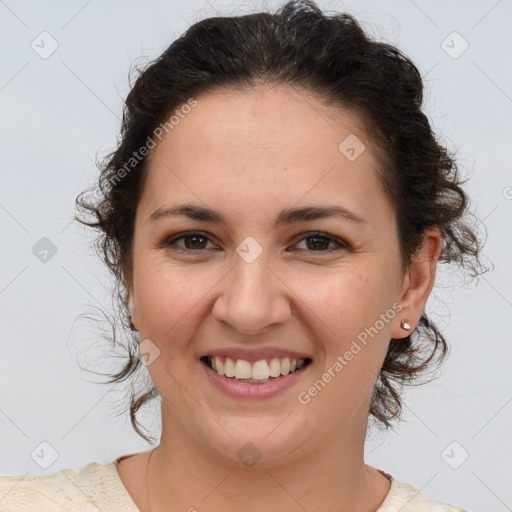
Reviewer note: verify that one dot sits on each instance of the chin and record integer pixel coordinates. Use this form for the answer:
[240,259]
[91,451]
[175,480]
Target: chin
[257,444]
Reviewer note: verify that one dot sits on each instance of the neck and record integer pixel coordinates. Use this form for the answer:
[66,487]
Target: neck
[184,476]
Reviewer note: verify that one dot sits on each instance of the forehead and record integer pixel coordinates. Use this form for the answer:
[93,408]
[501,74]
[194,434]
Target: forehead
[283,122]
[265,145]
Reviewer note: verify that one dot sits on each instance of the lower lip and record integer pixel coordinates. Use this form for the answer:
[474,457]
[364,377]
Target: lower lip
[236,389]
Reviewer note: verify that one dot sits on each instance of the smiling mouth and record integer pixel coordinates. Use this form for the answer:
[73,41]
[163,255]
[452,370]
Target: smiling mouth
[257,372]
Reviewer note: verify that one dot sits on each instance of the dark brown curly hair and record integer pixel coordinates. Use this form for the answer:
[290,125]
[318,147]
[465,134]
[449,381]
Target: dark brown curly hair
[332,58]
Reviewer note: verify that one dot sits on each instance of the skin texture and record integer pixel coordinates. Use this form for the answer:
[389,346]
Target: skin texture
[249,155]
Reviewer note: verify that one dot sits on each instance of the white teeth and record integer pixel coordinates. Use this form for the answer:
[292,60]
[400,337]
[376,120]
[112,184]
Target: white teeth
[275,367]
[243,369]
[229,367]
[259,370]
[285,366]
[218,365]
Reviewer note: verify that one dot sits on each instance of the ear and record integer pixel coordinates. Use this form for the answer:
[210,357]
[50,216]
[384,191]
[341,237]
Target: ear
[418,281]
[127,270]
[130,304]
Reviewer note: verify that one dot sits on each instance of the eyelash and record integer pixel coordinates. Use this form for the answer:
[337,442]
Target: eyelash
[317,234]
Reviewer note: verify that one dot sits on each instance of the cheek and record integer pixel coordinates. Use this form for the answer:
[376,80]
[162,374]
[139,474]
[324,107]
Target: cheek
[169,298]
[355,341]
[350,303]
[348,299]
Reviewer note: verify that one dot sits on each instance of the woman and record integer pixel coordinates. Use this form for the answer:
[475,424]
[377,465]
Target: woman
[274,215]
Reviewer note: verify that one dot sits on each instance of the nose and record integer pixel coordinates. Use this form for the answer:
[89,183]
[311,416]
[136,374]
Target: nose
[252,297]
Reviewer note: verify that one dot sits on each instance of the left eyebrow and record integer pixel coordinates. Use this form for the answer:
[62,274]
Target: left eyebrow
[307,213]
[287,216]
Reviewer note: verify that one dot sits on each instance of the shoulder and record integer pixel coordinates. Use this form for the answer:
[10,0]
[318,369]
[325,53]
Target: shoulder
[96,486]
[404,497]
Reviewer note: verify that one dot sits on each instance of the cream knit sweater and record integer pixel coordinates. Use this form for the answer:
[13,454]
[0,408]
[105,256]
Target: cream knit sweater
[98,487]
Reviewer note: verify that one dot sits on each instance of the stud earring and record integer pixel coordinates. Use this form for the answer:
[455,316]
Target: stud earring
[404,325]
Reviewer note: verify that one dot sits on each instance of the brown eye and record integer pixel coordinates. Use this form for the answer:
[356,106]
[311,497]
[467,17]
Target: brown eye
[191,241]
[194,241]
[320,242]
[314,242]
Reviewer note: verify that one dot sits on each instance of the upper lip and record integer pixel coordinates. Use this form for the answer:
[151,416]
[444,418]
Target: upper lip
[255,354]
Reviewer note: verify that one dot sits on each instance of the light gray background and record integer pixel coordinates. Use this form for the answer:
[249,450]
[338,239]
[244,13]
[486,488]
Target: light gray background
[58,112]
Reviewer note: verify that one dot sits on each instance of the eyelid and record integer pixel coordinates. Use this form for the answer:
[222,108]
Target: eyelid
[342,245]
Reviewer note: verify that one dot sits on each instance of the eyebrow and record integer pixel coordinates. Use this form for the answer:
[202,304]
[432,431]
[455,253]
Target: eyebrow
[287,216]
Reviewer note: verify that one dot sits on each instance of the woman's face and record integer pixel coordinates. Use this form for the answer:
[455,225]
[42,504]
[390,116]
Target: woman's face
[262,282]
